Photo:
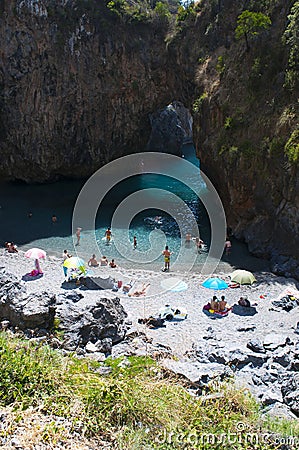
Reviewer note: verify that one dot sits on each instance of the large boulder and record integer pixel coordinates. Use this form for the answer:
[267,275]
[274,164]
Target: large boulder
[23,310]
[86,322]
[82,320]
[290,392]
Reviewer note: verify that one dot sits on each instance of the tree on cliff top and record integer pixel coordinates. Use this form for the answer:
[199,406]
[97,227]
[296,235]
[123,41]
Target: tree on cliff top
[250,24]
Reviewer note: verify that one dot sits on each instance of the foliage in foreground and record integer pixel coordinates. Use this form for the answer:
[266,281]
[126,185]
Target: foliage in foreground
[136,405]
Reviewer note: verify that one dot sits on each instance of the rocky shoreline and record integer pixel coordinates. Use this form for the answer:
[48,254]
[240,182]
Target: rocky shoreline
[258,346]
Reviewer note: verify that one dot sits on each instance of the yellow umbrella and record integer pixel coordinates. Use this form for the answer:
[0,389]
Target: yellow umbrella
[75,263]
[242,277]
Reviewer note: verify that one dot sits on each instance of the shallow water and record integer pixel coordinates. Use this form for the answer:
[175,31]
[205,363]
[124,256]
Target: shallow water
[152,227]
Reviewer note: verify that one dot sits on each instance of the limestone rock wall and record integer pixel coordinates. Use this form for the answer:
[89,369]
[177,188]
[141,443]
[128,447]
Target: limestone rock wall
[244,115]
[76,87]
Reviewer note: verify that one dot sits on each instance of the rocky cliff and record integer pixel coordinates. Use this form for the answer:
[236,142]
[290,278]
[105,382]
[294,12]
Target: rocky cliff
[79,86]
[245,115]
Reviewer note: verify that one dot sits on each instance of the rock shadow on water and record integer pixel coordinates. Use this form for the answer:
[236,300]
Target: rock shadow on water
[29,277]
[244,310]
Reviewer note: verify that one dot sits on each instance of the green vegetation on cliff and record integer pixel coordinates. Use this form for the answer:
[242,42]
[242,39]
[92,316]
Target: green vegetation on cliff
[249,24]
[291,39]
[135,405]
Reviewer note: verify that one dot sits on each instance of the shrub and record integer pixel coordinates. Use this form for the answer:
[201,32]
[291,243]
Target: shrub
[198,102]
[228,123]
[292,147]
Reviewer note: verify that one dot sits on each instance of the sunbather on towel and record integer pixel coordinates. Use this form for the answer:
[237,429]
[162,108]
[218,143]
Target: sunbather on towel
[139,292]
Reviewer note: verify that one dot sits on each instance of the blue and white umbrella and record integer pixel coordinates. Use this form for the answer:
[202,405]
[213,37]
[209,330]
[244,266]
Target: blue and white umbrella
[215,283]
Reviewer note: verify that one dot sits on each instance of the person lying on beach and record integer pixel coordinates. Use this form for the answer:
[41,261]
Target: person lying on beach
[152,322]
[93,262]
[139,292]
[127,287]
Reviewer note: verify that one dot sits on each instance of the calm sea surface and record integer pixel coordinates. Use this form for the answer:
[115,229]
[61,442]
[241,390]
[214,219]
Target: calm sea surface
[43,201]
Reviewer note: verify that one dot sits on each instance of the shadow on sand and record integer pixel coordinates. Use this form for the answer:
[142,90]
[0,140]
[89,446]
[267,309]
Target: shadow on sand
[29,277]
[244,310]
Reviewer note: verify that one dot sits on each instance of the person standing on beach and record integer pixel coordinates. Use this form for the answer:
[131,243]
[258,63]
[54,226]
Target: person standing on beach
[166,253]
[227,246]
[134,242]
[78,234]
[65,255]
[188,239]
[199,243]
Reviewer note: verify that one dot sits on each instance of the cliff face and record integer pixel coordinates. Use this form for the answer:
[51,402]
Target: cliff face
[77,86]
[244,116]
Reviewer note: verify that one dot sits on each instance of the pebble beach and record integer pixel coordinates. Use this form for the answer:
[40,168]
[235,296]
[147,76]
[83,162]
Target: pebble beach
[179,335]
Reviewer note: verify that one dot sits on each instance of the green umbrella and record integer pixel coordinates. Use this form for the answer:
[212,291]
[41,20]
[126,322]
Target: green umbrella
[242,277]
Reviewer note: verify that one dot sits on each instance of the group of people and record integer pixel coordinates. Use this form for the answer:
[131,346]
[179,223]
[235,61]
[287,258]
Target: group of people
[218,305]
[103,262]
[198,242]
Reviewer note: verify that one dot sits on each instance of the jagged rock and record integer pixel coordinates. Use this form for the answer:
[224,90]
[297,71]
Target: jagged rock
[239,359]
[274,340]
[167,132]
[256,346]
[74,296]
[280,410]
[85,321]
[10,286]
[22,310]
[4,324]
[81,321]
[270,396]
[282,358]
[104,345]
[91,348]
[195,372]
[122,349]
[290,392]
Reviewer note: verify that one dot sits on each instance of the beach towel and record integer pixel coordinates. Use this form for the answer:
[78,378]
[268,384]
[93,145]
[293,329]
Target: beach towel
[209,311]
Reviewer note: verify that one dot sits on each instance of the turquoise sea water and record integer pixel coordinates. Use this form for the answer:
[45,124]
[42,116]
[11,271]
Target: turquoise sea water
[43,201]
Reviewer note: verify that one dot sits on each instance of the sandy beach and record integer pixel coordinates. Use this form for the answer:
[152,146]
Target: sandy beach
[182,335]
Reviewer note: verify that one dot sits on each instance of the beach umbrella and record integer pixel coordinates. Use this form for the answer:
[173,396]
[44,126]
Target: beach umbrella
[75,263]
[35,253]
[215,283]
[174,285]
[242,277]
